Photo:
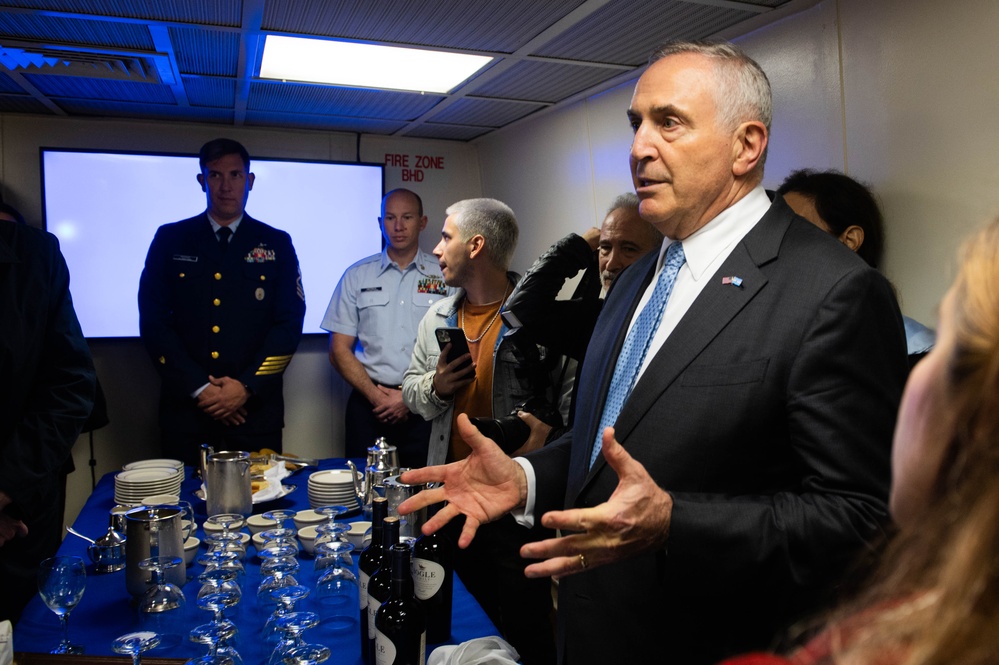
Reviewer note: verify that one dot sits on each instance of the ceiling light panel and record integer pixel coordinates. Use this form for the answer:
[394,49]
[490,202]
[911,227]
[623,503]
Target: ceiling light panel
[358,65]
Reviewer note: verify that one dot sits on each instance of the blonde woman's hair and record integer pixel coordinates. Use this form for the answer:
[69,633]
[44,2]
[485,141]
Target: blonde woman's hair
[935,597]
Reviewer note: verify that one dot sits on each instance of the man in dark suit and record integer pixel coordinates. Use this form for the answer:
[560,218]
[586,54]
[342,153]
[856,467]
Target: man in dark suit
[220,312]
[47,380]
[730,454]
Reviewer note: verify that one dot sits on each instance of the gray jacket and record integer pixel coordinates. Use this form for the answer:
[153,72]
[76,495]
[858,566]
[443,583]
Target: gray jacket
[511,385]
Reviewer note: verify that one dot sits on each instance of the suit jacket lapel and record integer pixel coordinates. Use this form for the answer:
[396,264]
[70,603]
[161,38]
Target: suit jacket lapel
[710,312]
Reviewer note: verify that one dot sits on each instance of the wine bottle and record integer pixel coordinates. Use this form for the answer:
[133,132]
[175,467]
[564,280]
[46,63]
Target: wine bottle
[380,582]
[433,581]
[400,623]
[367,564]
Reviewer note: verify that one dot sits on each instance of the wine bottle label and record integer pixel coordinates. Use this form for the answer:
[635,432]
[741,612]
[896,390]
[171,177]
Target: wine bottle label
[363,595]
[428,577]
[373,606]
[384,649]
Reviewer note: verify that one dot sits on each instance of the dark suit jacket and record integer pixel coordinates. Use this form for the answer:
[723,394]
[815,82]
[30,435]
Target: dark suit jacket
[46,393]
[238,315]
[46,373]
[768,416]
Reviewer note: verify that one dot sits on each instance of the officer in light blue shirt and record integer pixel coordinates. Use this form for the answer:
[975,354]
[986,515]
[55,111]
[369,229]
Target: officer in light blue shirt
[372,319]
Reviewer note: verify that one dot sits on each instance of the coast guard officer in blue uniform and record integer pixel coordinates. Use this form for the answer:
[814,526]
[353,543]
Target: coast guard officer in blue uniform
[373,318]
[220,313]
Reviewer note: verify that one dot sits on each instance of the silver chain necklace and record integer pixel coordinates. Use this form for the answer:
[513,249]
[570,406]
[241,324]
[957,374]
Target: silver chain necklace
[461,320]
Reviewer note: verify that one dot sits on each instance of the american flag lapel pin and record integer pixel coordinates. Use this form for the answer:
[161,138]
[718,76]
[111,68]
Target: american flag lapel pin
[733,280]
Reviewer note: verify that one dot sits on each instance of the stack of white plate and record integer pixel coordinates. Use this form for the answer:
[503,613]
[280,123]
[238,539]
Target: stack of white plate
[334,487]
[147,478]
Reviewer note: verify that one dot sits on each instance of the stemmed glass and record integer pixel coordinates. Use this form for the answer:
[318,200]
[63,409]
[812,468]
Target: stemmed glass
[230,541]
[218,637]
[61,581]
[161,606]
[226,521]
[308,654]
[337,590]
[279,516]
[223,559]
[332,512]
[291,626]
[134,644]
[219,590]
[278,569]
[285,598]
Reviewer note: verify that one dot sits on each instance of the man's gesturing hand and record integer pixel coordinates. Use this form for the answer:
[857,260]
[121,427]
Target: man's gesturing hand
[484,486]
[635,519]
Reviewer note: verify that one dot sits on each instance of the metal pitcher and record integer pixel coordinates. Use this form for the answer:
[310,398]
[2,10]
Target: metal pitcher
[227,482]
[383,462]
[396,492]
[150,532]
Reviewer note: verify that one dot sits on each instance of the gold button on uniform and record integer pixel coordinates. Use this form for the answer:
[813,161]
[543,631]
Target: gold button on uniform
[215,354]
[218,275]
[263,278]
[162,360]
[215,329]
[182,275]
[216,302]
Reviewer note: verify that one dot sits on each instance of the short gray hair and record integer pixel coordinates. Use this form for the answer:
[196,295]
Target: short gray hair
[624,201]
[630,201]
[744,91]
[493,220]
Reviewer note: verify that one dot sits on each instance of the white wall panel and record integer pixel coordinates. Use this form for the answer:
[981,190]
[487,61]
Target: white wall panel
[922,95]
[543,171]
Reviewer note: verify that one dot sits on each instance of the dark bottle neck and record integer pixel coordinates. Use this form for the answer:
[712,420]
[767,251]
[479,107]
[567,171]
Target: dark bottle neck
[390,533]
[402,575]
[379,511]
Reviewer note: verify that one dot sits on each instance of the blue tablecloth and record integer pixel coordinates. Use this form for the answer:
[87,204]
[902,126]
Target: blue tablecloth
[106,611]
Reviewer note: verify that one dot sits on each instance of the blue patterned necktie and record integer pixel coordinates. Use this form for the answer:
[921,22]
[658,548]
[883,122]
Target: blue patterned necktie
[636,344]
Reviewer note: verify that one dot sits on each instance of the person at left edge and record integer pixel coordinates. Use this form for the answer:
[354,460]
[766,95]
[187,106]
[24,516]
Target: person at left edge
[220,313]
[372,319]
[48,384]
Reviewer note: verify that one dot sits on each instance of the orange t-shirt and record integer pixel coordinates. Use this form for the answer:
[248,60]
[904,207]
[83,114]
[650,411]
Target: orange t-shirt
[476,399]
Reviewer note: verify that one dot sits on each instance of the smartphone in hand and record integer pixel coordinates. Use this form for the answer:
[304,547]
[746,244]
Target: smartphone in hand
[459,345]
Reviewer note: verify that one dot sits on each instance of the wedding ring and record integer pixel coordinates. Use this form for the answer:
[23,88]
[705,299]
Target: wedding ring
[582,561]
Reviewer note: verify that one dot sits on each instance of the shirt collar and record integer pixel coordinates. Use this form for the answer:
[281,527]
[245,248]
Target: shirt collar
[422,261]
[216,226]
[704,245]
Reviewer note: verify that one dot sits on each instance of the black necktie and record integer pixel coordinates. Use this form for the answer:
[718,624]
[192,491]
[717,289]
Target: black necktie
[223,234]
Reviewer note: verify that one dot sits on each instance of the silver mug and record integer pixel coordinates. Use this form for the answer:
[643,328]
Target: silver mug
[227,483]
[396,492]
[152,532]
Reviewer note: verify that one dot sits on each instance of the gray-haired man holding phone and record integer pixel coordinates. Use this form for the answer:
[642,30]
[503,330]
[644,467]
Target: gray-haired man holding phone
[477,242]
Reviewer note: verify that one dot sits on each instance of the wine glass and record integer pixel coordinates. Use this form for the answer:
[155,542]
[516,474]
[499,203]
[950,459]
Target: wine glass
[337,591]
[278,570]
[134,644]
[291,626]
[162,605]
[331,529]
[279,516]
[307,654]
[285,599]
[61,581]
[226,521]
[226,541]
[219,590]
[218,637]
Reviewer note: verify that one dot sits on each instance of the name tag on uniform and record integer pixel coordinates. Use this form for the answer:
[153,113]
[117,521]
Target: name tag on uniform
[368,289]
[185,257]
